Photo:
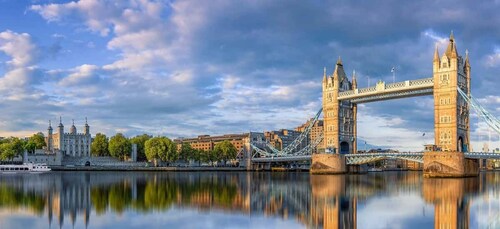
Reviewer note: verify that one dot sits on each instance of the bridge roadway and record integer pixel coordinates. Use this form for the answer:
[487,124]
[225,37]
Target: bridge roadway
[383,91]
[363,158]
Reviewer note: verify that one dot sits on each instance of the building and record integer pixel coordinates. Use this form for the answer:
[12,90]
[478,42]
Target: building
[316,132]
[69,144]
[207,142]
[280,139]
[339,116]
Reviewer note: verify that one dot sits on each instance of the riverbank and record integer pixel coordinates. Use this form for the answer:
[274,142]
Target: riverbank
[134,168]
[171,169]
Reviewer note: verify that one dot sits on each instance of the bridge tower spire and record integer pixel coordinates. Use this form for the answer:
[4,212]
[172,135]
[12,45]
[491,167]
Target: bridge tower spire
[451,112]
[339,117]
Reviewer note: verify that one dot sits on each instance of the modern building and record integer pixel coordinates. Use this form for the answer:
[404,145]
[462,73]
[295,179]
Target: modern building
[69,144]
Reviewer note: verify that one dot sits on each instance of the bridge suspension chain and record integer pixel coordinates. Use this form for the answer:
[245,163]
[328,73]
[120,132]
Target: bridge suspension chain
[308,149]
[490,119]
[289,149]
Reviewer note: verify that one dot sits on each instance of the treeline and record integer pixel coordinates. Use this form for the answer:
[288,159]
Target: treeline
[12,147]
[159,149]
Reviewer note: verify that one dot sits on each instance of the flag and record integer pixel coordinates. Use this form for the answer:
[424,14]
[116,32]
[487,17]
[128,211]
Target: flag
[393,69]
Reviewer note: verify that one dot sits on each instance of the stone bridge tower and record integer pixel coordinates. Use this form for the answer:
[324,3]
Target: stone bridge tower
[339,116]
[451,111]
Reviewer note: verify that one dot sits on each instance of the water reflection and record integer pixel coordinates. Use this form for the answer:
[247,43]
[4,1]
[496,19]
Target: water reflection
[317,201]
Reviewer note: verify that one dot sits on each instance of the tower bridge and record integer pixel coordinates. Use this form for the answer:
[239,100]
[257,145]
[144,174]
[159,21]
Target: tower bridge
[450,88]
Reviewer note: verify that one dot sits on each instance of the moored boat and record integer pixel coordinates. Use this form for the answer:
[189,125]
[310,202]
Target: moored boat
[24,168]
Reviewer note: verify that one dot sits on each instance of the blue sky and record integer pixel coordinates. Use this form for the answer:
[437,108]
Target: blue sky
[185,68]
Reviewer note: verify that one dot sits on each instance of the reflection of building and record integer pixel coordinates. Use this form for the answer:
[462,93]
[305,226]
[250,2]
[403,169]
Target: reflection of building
[330,207]
[449,197]
[72,143]
[316,132]
[73,200]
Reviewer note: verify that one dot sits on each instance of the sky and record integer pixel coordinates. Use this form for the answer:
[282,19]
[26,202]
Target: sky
[187,68]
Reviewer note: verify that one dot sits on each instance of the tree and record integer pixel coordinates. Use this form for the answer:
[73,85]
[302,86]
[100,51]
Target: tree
[209,156]
[99,146]
[225,151]
[140,141]
[196,156]
[186,151]
[160,148]
[10,148]
[119,146]
[37,141]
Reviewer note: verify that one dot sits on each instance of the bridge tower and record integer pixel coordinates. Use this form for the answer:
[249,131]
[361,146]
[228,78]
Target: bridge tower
[451,111]
[339,116]
[451,117]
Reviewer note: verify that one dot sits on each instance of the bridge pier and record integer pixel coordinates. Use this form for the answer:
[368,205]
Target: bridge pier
[449,164]
[324,163]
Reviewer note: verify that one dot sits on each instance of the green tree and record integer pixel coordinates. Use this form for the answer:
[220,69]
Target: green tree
[160,148]
[140,141]
[186,151]
[11,147]
[99,146]
[225,151]
[37,141]
[209,156]
[196,156]
[119,146]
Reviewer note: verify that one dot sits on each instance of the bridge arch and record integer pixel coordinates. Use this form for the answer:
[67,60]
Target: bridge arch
[344,147]
[460,144]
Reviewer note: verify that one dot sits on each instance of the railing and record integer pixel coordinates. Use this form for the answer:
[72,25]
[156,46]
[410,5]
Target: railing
[367,89]
[421,82]
[395,85]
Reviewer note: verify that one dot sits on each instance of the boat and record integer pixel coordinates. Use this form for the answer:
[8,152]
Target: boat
[375,170]
[24,168]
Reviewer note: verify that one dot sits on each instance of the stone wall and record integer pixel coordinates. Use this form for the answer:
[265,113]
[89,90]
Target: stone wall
[327,164]
[100,161]
[449,164]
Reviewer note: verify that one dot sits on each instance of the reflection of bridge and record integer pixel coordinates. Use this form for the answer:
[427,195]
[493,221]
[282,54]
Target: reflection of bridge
[450,87]
[313,200]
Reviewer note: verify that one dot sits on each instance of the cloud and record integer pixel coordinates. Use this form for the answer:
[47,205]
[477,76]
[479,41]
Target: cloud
[493,60]
[233,66]
[19,48]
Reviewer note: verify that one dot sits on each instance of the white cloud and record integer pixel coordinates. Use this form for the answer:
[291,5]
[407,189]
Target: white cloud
[19,47]
[493,60]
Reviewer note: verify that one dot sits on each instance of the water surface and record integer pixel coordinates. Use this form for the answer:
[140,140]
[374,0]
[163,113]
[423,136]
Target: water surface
[247,200]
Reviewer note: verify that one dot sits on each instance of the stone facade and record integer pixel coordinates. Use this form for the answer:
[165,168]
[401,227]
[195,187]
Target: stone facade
[451,112]
[339,116]
[327,164]
[449,164]
[69,144]
[207,142]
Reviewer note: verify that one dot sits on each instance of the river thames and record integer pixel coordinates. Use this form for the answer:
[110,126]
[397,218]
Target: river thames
[247,200]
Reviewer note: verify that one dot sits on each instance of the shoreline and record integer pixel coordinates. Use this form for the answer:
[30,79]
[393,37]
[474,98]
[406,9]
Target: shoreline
[126,168]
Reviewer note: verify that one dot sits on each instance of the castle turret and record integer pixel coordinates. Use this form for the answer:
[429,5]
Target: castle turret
[49,137]
[72,130]
[60,133]
[86,130]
